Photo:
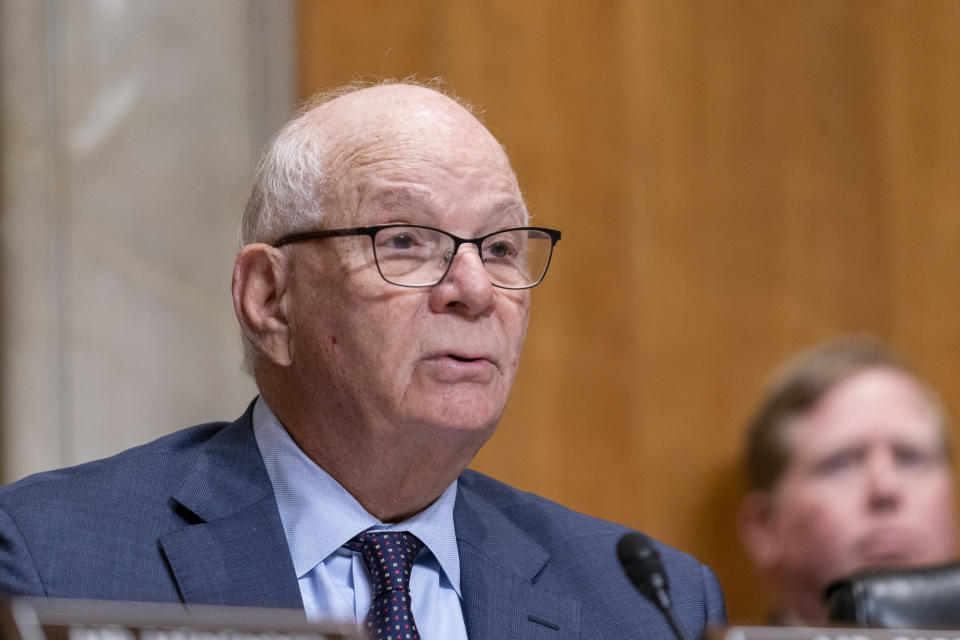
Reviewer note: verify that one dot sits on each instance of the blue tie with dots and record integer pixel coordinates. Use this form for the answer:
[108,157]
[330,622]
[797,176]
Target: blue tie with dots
[389,557]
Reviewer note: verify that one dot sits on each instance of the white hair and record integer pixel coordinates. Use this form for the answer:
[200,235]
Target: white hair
[289,184]
[289,187]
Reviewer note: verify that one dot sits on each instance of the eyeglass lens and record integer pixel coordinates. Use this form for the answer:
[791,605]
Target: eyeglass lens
[414,256]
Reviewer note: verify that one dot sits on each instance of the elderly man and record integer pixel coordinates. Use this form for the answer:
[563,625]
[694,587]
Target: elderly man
[382,291]
[849,464]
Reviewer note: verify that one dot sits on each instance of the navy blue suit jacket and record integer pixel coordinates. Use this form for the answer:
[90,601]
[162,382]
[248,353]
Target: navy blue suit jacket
[192,517]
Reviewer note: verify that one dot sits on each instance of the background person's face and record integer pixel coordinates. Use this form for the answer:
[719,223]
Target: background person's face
[868,484]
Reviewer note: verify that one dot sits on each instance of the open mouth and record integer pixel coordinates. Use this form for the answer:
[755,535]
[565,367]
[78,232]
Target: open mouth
[457,367]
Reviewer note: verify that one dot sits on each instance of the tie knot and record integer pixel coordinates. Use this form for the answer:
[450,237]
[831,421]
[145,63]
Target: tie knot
[389,557]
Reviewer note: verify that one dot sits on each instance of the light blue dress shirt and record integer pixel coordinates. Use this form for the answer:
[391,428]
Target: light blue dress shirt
[319,515]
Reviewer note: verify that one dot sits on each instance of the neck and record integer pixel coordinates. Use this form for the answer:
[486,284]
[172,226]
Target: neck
[393,472]
[389,489]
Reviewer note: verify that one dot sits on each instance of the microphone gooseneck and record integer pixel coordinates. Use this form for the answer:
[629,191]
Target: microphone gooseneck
[643,566]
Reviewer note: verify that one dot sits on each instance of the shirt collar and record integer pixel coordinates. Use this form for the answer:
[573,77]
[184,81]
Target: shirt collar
[319,514]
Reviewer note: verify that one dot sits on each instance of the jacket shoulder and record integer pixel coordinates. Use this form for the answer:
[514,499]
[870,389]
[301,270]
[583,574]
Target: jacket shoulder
[150,462]
[583,559]
[92,530]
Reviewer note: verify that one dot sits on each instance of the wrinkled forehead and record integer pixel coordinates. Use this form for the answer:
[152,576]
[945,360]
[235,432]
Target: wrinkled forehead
[410,134]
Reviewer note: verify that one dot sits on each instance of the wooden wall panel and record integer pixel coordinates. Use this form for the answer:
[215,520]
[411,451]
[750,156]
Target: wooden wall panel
[734,179]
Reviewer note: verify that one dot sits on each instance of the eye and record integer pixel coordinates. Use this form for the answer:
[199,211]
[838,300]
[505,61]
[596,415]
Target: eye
[838,462]
[404,240]
[504,247]
[401,241]
[499,250]
[915,458]
[408,246]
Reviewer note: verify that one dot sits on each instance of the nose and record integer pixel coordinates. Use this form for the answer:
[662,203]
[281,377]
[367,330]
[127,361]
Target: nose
[466,288]
[884,482]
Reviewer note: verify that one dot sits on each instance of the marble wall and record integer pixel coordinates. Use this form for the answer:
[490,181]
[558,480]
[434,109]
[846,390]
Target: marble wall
[128,134]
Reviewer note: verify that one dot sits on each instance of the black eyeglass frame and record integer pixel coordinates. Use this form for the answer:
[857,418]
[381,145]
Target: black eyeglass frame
[372,231]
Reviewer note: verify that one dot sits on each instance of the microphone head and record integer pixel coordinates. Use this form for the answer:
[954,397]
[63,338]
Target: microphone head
[642,564]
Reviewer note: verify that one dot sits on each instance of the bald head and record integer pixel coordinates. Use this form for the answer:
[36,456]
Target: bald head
[399,112]
[347,130]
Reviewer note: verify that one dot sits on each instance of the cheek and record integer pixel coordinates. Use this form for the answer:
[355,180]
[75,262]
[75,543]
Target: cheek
[821,517]
[515,321]
[940,490]
[333,334]
[934,504]
[815,542]
[388,340]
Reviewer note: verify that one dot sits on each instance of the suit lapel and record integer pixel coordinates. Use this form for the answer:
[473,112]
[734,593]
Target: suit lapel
[499,566]
[235,552]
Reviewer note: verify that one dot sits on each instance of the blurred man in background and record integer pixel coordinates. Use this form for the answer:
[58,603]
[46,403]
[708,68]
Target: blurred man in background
[849,464]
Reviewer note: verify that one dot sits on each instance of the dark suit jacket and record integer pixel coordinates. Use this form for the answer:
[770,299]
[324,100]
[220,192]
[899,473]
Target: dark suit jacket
[192,517]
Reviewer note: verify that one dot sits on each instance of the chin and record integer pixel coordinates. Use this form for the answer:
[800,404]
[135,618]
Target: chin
[467,426]
[454,413]
[463,429]
[465,409]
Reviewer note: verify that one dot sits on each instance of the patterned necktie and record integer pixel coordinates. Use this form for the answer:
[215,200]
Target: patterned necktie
[389,558]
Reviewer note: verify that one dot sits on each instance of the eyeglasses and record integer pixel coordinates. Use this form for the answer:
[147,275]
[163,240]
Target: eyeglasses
[411,255]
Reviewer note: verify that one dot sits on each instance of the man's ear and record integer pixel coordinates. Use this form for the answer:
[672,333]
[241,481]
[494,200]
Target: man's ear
[756,524]
[260,278]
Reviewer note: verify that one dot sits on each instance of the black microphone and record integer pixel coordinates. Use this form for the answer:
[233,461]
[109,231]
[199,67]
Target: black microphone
[642,564]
